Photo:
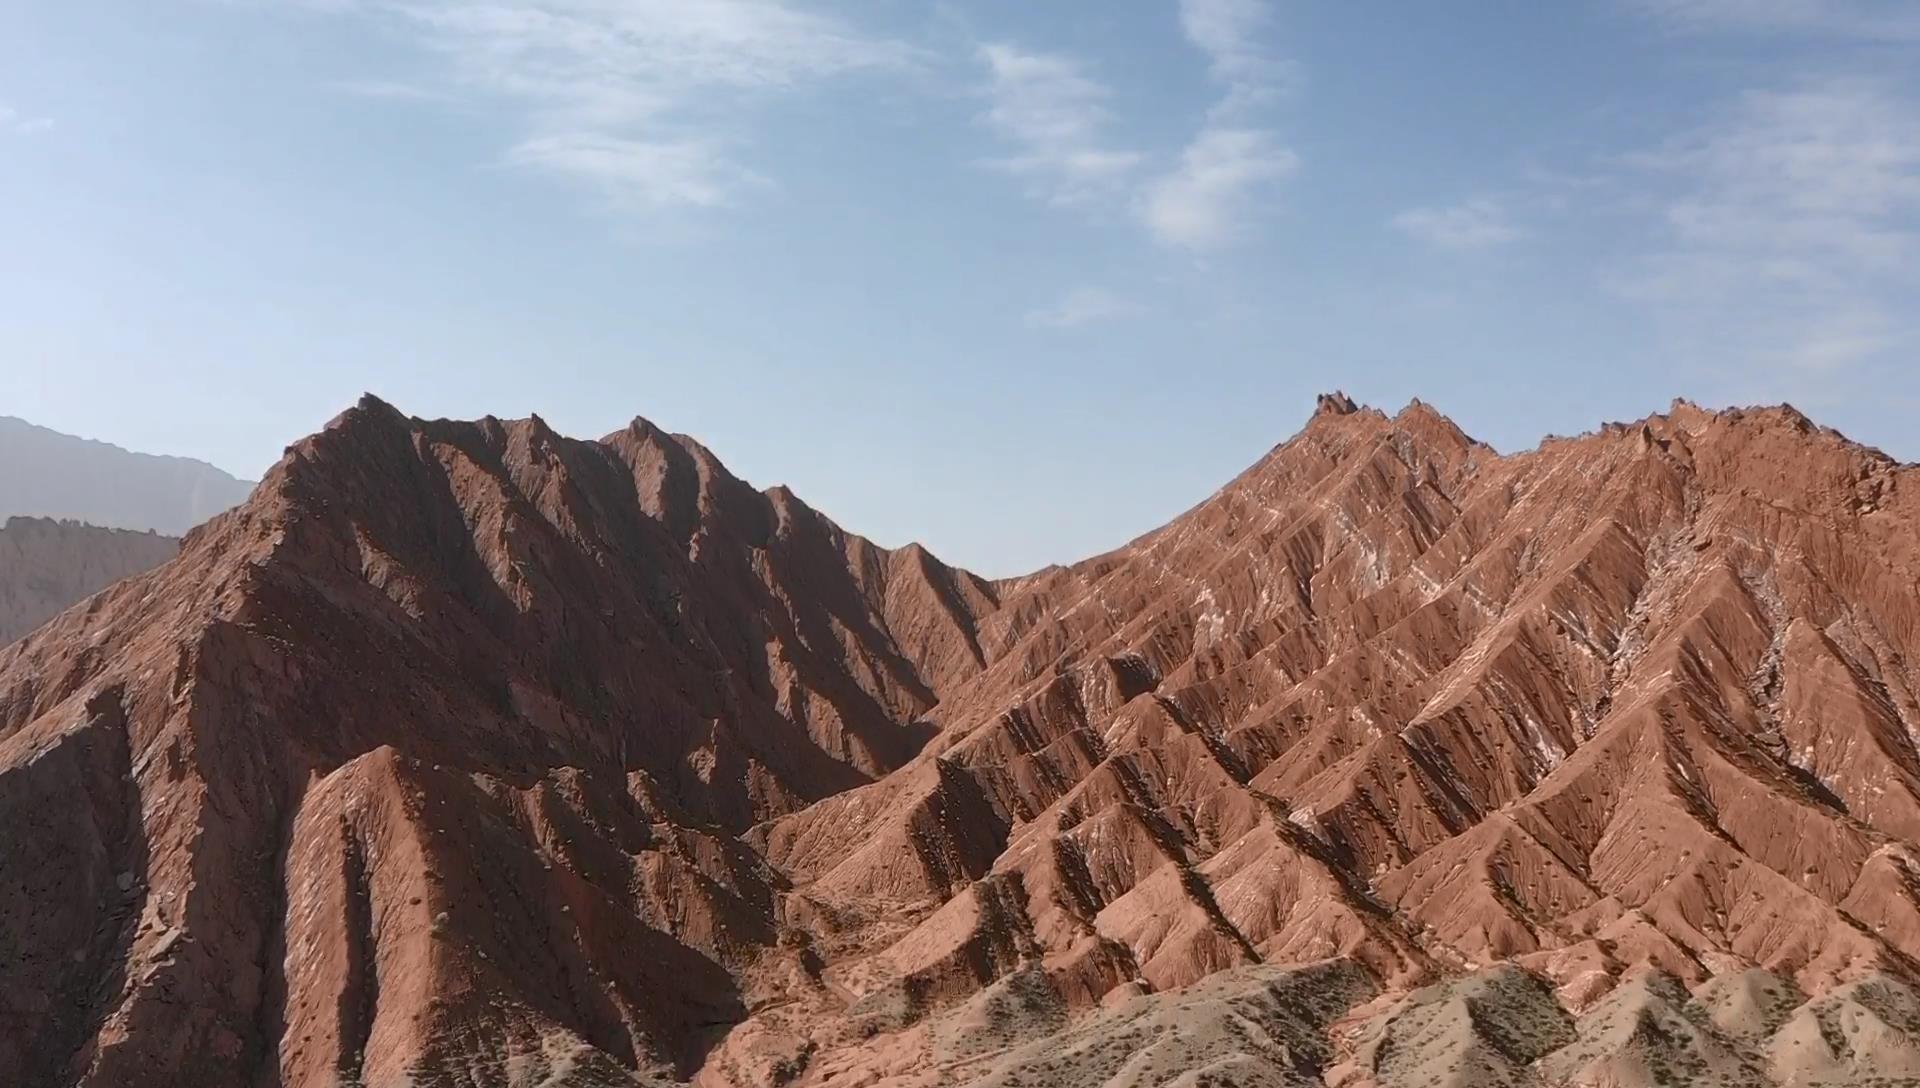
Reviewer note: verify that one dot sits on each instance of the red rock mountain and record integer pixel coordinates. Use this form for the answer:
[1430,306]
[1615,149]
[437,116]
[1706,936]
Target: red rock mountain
[469,754]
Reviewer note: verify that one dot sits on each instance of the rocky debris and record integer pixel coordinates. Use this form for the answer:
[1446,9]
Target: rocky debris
[471,753]
[47,566]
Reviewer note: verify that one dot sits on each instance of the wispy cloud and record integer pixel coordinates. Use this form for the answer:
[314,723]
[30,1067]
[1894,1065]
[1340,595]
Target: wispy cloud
[1791,224]
[640,174]
[393,89]
[1892,20]
[11,120]
[645,100]
[1058,115]
[1201,204]
[1047,106]
[1232,35]
[1080,306]
[1479,223]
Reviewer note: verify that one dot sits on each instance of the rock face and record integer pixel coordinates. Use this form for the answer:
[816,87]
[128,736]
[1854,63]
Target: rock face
[56,475]
[466,753]
[47,566]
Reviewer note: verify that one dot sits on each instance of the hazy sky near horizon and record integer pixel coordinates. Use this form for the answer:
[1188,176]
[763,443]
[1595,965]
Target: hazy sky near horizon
[1018,280]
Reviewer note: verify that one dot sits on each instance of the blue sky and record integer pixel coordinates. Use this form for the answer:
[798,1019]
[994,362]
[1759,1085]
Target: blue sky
[1018,280]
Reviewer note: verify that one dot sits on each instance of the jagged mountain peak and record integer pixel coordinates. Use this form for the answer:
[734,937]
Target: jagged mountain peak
[1335,403]
[462,743]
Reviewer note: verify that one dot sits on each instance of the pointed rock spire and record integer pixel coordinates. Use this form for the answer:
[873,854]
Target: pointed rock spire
[1335,403]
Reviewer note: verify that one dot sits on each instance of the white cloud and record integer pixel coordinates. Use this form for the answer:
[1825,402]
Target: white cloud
[1829,166]
[1080,306]
[1479,223]
[1047,106]
[641,99]
[1201,203]
[1790,227]
[1229,32]
[1057,114]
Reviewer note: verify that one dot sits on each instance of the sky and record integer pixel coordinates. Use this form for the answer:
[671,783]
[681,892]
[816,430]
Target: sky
[1017,280]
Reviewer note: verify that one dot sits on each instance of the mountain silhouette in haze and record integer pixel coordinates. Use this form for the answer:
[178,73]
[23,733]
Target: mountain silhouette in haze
[54,475]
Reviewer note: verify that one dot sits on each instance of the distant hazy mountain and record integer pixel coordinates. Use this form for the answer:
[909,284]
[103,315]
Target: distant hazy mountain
[48,565]
[44,473]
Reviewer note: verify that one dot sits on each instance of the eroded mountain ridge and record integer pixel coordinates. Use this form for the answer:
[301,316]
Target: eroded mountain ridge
[466,753]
